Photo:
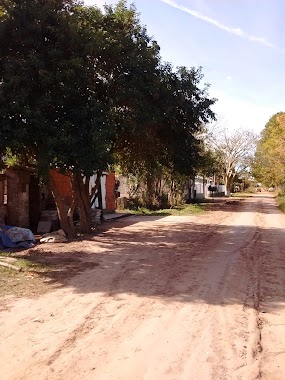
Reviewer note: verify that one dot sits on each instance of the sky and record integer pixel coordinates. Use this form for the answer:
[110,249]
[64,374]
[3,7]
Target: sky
[239,43]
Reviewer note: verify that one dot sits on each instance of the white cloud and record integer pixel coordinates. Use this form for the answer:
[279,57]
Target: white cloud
[229,77]
[235,31]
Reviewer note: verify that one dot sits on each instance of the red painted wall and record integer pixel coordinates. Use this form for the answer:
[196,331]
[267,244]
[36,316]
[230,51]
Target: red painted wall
[110,192]
[64,185]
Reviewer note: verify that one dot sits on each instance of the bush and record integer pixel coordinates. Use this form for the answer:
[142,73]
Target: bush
[251,189]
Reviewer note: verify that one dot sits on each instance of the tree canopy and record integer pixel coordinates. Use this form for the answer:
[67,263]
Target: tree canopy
[269,163]
[233,152]
[176,109]
[81,89]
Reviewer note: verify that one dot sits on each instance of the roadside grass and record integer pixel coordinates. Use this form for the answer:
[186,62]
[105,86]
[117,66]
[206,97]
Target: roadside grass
[38,273]
[32,266]
[4,254]
[281,201]
[186,209]
[24,263]
[29,281]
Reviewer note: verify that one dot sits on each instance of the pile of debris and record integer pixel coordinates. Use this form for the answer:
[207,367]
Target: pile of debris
[54,237]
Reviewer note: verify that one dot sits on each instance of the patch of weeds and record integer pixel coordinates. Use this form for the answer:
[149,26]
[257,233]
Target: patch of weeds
[23,263]
[186,209]
[189,209]
[29,265]
[4,254]
[7,271]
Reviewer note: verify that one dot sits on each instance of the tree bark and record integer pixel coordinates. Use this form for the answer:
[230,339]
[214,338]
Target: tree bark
[228,182]
[65,212]
[150,193]
[80,185]
[191,189]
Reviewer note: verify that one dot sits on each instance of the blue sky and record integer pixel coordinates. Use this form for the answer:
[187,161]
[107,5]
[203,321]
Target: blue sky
[239,43]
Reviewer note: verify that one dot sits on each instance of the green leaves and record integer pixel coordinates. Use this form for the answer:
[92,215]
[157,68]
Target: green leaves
[82,88]
[269,163]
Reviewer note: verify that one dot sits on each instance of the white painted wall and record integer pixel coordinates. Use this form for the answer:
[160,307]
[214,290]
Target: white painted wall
[103,188]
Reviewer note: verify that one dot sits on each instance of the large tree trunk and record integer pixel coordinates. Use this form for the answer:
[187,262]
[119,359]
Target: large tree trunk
[228,183]
[172,194]
[193,192]
[191,189]
[150,192]
[80,197]
[80,185]
[65,212]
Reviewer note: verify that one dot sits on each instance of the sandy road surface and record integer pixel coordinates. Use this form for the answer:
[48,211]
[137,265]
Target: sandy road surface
[172,298]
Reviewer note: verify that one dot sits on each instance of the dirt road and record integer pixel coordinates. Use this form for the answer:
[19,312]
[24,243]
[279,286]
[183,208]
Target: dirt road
[173,298]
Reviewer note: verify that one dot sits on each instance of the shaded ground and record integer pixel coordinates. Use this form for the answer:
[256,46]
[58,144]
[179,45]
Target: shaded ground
[51,266]
[42,271]
[175,297]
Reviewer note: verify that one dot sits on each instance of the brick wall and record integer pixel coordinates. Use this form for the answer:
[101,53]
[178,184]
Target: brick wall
[35,202]
[3,210]
[18,197]
[1,189]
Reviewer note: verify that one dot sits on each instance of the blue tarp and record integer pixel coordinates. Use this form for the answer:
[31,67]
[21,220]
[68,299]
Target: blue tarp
[7,234]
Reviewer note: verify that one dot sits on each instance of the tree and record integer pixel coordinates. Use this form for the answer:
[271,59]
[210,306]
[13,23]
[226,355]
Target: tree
[166,144]
[269,162]
[81,88]
[233,152]
[47,104]
[61,67]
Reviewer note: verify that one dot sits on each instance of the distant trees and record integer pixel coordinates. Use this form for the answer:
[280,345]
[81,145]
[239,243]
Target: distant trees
[82,89]
[232,152]
[269,162]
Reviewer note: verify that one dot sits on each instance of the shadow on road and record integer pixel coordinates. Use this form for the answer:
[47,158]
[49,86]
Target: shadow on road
[182,262]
